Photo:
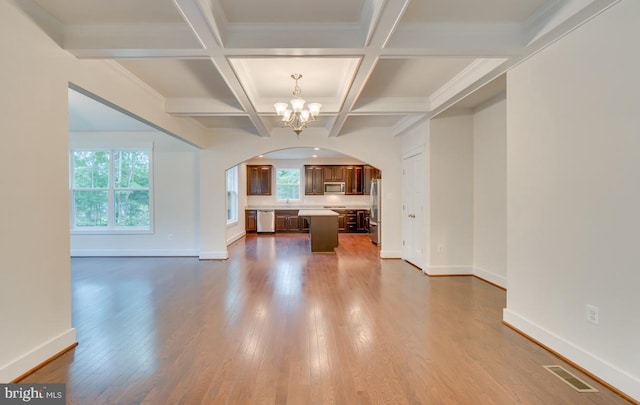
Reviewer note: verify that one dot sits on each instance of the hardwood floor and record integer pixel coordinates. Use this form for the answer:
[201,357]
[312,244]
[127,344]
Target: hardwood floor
[277,324]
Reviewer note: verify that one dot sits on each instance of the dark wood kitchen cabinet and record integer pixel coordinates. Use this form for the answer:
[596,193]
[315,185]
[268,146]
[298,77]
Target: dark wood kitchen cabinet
[313,180]
[334,173]
[259,179]
[289,221]
[251,221]
[362,222]
[353,183]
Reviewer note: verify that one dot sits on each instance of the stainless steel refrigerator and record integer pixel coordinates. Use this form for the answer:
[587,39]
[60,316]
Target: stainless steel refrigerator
[375,222]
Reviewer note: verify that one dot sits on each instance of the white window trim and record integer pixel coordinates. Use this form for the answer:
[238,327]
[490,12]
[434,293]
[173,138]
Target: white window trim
[112,230]
[236,170]
[299,184]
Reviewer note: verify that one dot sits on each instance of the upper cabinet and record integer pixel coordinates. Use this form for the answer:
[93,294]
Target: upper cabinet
[353,183]
[259,180]
[313,180]
[334,173]
[357,178]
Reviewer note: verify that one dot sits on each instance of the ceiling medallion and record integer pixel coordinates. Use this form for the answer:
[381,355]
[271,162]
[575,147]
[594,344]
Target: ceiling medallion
[294,114]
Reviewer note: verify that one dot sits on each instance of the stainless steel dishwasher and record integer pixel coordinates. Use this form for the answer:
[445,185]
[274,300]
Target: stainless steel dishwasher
[266,221]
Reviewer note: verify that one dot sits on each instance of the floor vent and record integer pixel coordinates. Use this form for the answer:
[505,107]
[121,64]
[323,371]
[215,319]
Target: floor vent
[576,383]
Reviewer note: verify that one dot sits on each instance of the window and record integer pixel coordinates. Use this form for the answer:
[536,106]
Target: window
[232,195]
[110,190]
[288,184]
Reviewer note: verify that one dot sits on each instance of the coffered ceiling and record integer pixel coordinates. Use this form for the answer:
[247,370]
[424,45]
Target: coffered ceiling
[370,63]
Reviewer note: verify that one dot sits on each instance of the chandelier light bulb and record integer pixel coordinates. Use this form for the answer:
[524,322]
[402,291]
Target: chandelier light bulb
[314,109]
[297,104]
[280,108]
[293,114]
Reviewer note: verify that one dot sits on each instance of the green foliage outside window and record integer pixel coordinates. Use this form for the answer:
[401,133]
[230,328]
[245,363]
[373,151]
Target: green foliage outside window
[111,187]
[288,184]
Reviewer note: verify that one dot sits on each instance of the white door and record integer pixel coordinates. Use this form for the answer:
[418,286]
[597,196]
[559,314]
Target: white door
[413,209]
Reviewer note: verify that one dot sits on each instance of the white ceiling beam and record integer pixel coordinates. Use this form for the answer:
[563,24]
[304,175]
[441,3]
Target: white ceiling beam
[477,70]
[160,36]
[562,17]
[386,25]
[406,123]
[228,75]
[392,105]
[202,107]
[460,37]
[198,16]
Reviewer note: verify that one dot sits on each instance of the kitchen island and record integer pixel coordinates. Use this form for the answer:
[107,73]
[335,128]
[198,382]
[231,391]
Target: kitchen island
[323,229]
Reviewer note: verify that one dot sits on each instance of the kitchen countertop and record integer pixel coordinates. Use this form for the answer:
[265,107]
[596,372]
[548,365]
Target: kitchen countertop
[317,213]
[305,207]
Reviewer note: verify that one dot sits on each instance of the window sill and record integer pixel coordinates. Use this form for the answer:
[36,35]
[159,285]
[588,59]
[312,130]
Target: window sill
[112,232]
[233,223]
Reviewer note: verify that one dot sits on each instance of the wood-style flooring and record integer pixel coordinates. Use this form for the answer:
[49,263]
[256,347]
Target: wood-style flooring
[276,324]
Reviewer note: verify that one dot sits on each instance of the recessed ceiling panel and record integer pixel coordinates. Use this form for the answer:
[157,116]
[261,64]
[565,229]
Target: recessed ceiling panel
[88,12]
[465,11]
[268,80]
[180,78]
[411,77]
[293,11]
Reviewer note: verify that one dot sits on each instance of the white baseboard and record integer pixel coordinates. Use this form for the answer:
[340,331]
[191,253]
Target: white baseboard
[219,255]
[493,278]
[36,356]
[390,254]
[448,270]
[133,252]
[236,237]
[607,372]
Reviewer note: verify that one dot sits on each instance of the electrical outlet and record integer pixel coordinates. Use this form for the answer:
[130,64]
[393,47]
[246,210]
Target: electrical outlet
[593,315]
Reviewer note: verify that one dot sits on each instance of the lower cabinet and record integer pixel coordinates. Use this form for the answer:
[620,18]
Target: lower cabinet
[251,221]
[289,221]
[362,221]
[353,221]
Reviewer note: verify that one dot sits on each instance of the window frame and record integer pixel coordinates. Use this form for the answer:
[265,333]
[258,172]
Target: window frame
[111,228]
[234,171]
[299,184]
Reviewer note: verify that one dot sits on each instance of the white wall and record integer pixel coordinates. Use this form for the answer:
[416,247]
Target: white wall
[229,148]
[451,191]
[573,192]
[35,294]
[175,199]
[490,191]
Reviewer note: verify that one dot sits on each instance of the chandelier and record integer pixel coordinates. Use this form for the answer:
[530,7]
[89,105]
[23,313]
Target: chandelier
[294,114]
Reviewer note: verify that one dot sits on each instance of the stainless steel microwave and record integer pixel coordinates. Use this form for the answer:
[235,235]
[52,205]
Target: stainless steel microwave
[334,187]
